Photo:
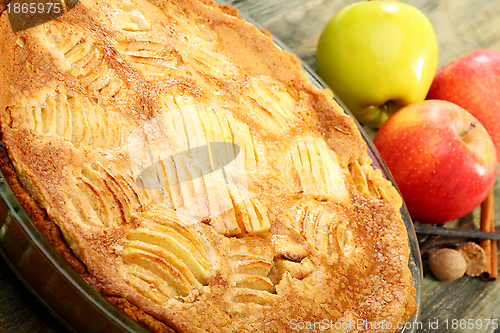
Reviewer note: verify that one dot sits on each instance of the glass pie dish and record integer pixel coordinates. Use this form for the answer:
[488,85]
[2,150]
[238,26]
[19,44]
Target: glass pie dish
[70,299]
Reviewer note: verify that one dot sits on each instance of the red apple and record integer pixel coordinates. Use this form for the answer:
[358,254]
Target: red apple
[473,82]
[442,159]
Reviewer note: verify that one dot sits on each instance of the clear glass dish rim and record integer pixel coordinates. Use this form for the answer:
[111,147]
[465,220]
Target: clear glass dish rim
[119,320]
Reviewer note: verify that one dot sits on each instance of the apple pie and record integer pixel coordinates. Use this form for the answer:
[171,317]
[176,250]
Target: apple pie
[193,175]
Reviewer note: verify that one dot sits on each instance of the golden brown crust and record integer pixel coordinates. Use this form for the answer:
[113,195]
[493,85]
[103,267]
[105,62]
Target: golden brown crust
[102,112]
[39,216]
[139,316]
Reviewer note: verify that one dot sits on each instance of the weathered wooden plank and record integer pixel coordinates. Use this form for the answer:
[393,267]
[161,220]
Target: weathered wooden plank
[460,25]
[19,310]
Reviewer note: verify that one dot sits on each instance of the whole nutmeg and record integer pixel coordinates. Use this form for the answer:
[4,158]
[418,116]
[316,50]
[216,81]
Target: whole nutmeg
[447,264]
[474,256]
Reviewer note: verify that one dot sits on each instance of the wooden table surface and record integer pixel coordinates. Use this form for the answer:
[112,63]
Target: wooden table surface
[461,26]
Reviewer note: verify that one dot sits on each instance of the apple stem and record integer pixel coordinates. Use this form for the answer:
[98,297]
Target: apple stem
[466,131]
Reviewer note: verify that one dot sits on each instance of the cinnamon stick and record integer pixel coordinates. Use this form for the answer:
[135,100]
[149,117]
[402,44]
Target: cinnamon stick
[3,6]
[490,246]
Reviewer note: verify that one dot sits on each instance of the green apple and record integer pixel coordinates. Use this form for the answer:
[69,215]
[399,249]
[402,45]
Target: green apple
[378,56]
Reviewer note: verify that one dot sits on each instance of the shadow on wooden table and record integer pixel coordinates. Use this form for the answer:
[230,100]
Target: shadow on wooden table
[20,312]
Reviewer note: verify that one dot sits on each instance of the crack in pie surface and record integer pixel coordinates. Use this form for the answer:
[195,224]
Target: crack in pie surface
[103,113]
